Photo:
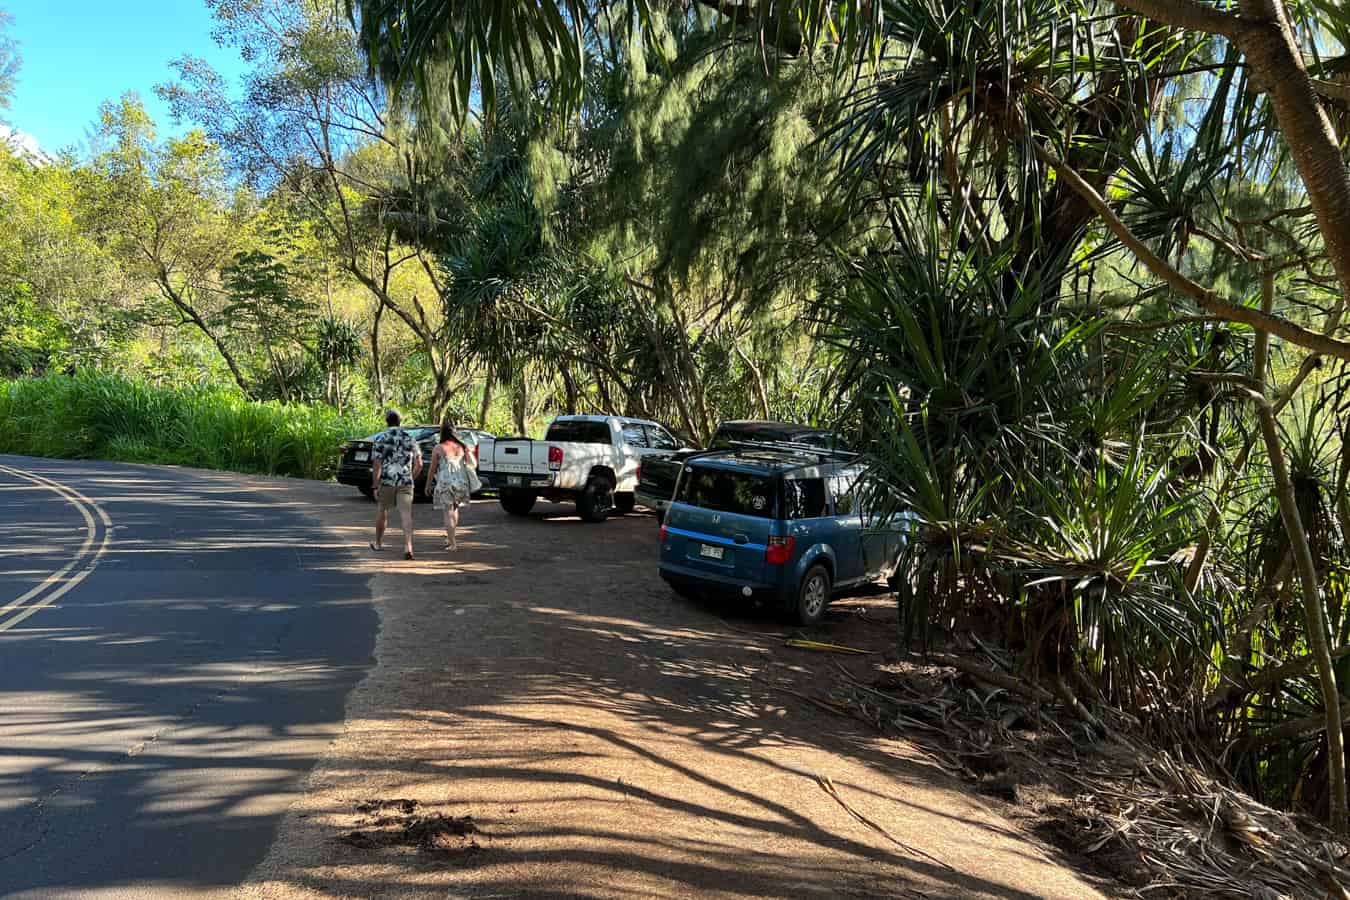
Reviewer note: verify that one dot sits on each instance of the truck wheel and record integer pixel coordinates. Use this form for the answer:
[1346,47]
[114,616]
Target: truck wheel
[517,503]
[813,595]
[624,503]
[596,499]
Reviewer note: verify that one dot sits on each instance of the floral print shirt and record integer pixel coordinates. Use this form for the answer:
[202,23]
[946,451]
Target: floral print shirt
[395,448]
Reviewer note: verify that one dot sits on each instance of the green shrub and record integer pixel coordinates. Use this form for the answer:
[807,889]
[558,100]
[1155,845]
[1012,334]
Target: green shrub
[100,416]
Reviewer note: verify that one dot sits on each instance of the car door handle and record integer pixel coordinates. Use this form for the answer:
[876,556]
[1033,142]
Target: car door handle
[740,538]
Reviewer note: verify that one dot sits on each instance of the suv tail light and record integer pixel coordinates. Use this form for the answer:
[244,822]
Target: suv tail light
[555,457]
[779,550]
[665,529]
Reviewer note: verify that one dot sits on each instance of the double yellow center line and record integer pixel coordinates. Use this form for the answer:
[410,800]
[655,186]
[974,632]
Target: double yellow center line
[98,534]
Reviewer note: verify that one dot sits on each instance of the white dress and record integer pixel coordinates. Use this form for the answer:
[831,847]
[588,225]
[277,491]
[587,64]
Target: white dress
[452,482]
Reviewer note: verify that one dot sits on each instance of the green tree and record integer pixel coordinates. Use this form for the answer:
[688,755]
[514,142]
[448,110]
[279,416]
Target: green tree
[263,309]
[164,211]
[10,61]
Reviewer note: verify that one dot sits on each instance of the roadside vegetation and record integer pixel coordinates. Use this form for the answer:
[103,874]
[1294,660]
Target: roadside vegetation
[1074,278]
[102,416]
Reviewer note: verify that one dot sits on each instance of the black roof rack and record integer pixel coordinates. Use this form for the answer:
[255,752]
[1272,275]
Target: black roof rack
[815,455]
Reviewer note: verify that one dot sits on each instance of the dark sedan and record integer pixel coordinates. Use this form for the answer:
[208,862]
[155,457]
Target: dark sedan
[354,467]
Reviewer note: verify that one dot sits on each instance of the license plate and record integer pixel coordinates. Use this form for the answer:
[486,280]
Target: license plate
[361,456]
[515,480]
[711,552]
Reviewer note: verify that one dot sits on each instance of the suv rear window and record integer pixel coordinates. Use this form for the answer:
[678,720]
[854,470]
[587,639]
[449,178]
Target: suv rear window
[731,492]
[579,432]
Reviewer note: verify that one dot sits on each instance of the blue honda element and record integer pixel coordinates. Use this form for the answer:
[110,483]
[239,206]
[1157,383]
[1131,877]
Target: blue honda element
[782,526]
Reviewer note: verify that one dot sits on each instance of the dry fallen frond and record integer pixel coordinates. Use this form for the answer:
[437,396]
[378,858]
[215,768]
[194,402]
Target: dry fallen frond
[1168,826]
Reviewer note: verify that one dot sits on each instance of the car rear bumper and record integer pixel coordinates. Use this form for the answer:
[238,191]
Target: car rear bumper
[721,586]
[651,501]
[496,481]
[356,476]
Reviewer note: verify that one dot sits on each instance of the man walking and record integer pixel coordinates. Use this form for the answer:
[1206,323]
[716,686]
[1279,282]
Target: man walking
[397,463]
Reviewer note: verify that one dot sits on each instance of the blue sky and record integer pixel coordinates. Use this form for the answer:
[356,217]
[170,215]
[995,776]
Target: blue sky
[78,53]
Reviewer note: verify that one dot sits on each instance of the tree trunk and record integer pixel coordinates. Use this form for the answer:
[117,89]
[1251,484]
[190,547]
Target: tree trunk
[192,316]
[520,402]
[1314,614]
[486,405]
[280,375]
[570,388]
[376,365]
[760,391]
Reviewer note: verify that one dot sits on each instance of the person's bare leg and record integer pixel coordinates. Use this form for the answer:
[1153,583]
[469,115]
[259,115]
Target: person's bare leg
[381,520]
[405,514]
[449,528]
[453,520]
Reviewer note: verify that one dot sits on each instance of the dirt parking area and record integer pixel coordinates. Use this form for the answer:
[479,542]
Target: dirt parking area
[545,718]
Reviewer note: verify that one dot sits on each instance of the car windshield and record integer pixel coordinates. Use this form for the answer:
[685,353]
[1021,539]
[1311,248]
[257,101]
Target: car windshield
[724,490]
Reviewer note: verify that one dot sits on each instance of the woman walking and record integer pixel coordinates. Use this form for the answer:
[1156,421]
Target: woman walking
[450,481]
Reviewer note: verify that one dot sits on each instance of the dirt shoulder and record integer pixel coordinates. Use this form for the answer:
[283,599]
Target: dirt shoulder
[546,719]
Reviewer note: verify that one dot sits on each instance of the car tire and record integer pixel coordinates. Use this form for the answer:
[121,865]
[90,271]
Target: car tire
[624,503]
[367,491]
[813,595]
[517,503]
[596,500]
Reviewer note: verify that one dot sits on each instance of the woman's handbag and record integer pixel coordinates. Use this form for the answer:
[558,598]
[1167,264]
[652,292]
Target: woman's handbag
[475,483]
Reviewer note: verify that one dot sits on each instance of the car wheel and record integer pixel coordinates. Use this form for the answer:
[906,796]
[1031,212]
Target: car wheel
[596,500]
[517,503]
[624,503]
[367,491]
[813,595]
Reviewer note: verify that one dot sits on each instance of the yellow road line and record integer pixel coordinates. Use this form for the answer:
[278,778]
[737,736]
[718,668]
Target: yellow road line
[58,583]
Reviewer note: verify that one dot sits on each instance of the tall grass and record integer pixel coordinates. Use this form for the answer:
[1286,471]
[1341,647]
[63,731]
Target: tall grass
[100,416]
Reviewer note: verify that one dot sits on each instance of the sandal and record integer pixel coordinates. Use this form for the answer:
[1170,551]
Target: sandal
[407,554]
[375,548]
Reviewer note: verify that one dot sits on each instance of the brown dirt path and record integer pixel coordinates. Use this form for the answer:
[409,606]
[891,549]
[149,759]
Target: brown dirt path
[610,740]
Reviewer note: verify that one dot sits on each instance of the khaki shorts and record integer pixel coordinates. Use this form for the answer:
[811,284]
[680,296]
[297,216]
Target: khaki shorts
[390,496]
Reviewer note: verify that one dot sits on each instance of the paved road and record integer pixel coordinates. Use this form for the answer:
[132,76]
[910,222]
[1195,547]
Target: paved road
[175,653]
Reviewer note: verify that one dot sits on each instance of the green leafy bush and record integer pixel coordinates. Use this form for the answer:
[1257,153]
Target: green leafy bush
[100,416]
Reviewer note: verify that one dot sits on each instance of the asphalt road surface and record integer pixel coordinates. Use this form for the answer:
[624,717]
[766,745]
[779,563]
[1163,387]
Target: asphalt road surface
[175,653]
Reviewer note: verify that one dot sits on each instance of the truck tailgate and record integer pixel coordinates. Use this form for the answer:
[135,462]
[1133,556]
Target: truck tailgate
[518,456]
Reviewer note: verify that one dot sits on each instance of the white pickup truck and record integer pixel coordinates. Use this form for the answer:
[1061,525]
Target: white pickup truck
[593,461]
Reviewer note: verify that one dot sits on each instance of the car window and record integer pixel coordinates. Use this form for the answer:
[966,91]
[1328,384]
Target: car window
[844,487]
[661,439]
[579,431]
[804,498]
[726,491]
[634,435]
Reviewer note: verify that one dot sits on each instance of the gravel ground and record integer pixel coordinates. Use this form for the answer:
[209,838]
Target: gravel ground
[546,719]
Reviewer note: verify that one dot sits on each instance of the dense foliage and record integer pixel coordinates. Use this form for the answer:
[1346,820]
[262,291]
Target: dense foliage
[95,416]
